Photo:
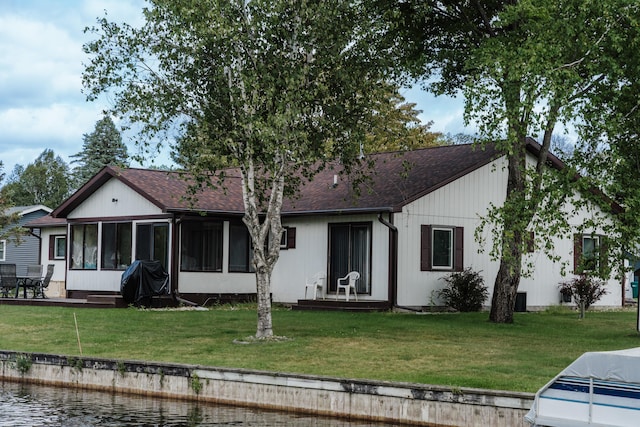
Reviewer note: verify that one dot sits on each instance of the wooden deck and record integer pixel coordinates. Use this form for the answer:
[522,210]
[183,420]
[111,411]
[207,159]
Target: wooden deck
[116,301]
[331,304]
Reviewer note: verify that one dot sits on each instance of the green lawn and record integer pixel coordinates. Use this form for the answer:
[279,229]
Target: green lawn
[459,350]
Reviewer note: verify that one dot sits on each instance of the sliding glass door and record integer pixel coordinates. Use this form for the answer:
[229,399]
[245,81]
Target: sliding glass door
[350,250]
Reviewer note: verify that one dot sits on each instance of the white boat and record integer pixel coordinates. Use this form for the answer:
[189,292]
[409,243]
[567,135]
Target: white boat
[597,389]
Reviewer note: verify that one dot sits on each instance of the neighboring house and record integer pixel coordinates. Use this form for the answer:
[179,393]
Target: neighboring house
[412,224]
[25,250]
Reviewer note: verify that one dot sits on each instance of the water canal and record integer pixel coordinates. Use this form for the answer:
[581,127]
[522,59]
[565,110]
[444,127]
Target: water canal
[31,405]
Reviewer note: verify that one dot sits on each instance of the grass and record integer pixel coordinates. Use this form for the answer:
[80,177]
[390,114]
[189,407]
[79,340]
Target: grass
[457,350]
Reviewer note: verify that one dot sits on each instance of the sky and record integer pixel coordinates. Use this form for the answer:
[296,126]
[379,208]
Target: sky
[41,62]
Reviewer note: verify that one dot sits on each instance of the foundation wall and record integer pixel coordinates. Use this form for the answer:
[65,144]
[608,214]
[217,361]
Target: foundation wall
[411,404]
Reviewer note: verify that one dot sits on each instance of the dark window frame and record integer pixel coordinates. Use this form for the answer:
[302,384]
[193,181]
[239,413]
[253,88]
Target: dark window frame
[200,244]
[426,248]
[122,250]
[234,263]
[53,246]
[83,265]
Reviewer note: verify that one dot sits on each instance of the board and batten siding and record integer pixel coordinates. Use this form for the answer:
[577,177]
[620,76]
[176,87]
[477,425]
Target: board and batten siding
[457,204]
[461,204]
[114,199]
[310,256]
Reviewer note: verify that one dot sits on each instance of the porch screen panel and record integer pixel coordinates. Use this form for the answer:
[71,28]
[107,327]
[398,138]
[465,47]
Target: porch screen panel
[201,246]
[360,256]
[116,245]
[84,246]
[161,243]
[152,242]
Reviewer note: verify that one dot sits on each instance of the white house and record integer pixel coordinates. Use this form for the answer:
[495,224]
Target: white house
[412,224]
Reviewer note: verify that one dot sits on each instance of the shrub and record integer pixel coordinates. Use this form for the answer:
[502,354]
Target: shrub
[465,290]
[584,290]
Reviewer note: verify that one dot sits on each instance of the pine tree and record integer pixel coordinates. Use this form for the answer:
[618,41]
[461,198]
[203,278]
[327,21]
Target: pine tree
[100,148]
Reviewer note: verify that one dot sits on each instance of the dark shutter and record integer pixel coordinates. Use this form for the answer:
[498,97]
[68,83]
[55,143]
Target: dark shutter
[425,247]
[604,255]
[577,253]
[291,237]
[52,243]
[458,249]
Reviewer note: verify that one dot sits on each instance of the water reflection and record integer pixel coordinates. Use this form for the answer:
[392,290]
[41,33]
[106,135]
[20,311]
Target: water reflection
[28,405]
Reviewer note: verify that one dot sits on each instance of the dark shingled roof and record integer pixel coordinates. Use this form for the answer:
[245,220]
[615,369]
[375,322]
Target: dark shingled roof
[396,179]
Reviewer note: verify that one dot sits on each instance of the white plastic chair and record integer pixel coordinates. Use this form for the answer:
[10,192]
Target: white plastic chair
[347,283]
[315,282]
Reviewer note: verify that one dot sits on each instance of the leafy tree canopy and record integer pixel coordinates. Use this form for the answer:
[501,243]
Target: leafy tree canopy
[46,181]
[523,67]
[8,227]
[274,87]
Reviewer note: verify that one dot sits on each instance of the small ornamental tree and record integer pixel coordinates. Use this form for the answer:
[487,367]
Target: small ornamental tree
[465,290]
[584,291]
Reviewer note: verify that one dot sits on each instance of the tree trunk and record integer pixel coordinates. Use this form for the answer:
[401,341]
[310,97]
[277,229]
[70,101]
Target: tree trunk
[263,281]
[504,293]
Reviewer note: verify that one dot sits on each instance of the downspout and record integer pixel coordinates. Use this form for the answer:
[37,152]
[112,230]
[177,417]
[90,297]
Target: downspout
[392,293]
[39,237]
[174,256]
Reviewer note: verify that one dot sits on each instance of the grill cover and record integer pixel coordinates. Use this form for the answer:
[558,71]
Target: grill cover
[143,280]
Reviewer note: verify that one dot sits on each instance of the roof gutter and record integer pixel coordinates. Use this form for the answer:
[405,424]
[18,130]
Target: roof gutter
[392,293]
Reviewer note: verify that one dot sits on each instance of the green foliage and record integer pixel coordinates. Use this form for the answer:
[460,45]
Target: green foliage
[195,383]
[585,290]
[100,148]
[46,182]
[8,219]
[22,363]
[523,67]
[275,88]
[465,290]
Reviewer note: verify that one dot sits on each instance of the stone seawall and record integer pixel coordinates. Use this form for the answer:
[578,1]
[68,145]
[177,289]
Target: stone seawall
[407,403]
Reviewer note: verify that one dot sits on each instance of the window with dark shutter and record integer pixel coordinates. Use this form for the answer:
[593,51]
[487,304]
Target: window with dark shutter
[441,248]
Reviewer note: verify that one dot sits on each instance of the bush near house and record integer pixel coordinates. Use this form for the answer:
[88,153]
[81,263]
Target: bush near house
[465,290]
[584,291]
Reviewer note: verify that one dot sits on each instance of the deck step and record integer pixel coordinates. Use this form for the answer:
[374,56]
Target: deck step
[341,305]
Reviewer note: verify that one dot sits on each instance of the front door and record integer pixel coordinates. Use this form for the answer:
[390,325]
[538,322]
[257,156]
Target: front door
[350,250]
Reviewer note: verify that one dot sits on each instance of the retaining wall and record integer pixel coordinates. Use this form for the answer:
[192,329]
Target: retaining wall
[415,404]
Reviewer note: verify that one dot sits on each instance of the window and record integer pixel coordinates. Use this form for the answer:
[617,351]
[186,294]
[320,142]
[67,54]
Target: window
[116,245]
[441,248]
[152,242]
[240,250]
[288,239]
[589,253]
[57,247]
[201,247]
[350,250]
[3,250]
[442,253]
[84,246]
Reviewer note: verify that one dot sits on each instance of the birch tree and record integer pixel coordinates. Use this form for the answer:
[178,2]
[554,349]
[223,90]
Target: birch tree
[276,88]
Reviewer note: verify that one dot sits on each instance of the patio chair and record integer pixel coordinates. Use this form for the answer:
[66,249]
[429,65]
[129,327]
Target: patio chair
[8,279]
[40,285]
[316,282]
[347,283]
[32,278]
